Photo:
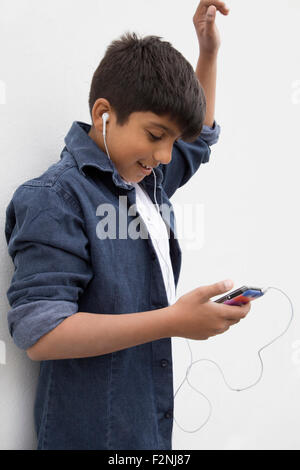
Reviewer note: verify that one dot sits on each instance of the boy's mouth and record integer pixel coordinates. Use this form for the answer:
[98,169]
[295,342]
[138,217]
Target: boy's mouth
[145,166]
[145,169]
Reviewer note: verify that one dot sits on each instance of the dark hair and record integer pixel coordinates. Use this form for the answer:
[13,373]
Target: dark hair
[148,74]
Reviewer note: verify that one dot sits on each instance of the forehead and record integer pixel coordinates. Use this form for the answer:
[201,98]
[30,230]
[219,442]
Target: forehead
[146,118]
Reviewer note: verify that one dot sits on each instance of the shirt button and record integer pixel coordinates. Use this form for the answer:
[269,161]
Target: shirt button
[164,362]
[168,414]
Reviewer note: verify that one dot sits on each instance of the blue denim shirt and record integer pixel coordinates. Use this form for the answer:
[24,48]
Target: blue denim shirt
[121,400]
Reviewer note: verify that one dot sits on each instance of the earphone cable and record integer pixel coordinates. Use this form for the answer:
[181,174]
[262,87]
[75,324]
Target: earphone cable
[221,371]
[157,208]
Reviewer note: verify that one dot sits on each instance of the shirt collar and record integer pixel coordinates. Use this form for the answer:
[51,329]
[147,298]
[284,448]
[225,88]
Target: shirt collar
[87,153]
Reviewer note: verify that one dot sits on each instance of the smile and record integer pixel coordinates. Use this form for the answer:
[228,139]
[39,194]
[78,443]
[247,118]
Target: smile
[145,169]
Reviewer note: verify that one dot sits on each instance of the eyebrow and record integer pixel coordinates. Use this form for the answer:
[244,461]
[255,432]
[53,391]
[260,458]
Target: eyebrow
[165,128]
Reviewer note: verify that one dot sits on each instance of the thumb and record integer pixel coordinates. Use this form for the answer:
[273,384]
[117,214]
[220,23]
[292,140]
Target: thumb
[215,289]
[211,15]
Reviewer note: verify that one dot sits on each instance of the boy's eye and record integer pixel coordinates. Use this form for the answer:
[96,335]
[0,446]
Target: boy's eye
[153,137]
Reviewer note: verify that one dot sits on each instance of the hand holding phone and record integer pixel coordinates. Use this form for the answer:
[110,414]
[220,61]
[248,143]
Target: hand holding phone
[241,296]
[195,316]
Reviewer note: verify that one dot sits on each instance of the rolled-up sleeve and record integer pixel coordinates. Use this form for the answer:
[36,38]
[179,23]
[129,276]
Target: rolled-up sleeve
[211,134]
[48,245]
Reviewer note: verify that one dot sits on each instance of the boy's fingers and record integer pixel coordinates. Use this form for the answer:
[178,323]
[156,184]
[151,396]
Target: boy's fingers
[232,322]
[204,4]
[236,313]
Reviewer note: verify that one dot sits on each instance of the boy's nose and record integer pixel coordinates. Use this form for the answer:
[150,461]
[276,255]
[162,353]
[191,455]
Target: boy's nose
[163,156]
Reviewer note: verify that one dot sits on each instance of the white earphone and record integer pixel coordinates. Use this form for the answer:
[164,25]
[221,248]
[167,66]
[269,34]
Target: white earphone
[105,117]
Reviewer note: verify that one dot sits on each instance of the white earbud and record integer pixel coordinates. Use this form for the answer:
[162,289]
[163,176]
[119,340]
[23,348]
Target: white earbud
[105,117]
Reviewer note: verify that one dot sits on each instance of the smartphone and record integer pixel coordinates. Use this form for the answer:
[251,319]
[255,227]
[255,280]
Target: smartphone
[241,296]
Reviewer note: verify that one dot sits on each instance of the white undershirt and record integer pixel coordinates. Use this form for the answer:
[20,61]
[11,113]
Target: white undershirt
[159,236]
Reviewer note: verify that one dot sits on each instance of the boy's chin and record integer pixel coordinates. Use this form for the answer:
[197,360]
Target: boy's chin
[136,179]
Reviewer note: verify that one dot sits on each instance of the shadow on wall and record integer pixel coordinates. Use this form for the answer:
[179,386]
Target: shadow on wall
[18,377]
[2,353]
[2,92]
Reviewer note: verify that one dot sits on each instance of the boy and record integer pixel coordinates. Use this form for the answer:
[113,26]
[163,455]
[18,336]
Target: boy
[98,311]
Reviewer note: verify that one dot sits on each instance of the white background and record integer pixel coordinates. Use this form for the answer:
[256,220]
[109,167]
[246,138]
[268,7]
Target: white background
[249,192]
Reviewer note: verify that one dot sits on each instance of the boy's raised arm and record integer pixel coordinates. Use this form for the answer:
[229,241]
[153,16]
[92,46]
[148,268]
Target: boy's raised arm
[209,44]
[187,157]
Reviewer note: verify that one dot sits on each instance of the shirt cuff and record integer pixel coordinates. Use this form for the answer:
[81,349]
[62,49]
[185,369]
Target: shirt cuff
[29,322]
[211,134]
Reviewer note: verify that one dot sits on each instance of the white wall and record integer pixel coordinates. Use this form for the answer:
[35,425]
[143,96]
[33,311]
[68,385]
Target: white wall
[249,192]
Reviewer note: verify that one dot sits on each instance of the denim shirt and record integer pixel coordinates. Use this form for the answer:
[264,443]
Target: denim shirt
[121,400]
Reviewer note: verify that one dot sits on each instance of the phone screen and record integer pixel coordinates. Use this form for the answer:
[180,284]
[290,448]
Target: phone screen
[241,296]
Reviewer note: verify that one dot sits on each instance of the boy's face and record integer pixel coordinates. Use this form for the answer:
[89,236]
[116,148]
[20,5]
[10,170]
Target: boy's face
[141,139]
